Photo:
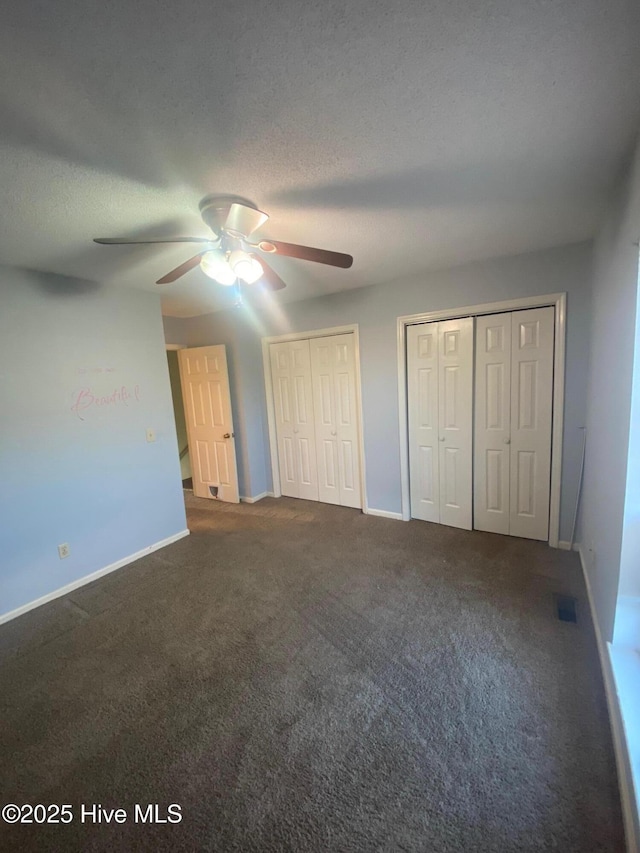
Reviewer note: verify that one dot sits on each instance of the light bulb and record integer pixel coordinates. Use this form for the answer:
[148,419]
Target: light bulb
[214,265]
[245,267]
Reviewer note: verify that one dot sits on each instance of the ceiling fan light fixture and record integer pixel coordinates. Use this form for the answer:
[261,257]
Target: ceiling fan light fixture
[245,267]
[233,219]
[214,265]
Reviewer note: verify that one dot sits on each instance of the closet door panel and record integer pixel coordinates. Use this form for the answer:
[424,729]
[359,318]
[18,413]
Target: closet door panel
[492,423]
[531,419]
[295,430]
[422,388]
[288,478]
[347,420]
[455,421]
[322,370]
[283,405]
[306,453]
[337,428]
[303,420]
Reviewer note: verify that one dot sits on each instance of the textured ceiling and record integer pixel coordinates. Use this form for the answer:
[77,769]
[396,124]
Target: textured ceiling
[411,134]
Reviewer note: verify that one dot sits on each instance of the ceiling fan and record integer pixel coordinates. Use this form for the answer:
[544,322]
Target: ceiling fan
[229,257]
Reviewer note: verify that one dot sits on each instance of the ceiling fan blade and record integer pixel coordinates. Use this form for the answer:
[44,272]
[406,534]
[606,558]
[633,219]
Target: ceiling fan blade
[244,220]
[181,270]
[270,278]
[122,241]
[306,253]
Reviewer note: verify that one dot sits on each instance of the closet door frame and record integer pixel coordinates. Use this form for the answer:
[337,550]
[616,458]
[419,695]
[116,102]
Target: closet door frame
[555,300]
[271,415]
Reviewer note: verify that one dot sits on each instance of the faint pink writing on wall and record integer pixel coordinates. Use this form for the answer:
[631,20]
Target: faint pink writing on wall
[86,399]
[96,370]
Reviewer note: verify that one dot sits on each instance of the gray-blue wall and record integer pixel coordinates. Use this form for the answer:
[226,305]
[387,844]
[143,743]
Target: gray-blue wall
[73,470]
[607,481]
[375,309]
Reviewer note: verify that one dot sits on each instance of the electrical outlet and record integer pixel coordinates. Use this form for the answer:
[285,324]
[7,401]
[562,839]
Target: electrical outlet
[151,435]
[63,550]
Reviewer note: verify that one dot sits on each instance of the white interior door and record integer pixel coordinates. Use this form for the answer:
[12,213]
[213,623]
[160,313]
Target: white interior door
[422,395]
[455,421]
[333,374]
[207,406]
[532,340]
[492,423]
[514,396]
[295,430]
[440,396]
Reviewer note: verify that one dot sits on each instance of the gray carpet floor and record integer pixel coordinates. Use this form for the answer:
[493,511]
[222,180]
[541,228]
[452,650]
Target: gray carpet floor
[302,677]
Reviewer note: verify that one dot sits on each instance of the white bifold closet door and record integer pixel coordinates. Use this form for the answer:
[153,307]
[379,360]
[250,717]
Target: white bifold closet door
[316,413]
[293,403]
[440,396]
[333,376]
[514,393]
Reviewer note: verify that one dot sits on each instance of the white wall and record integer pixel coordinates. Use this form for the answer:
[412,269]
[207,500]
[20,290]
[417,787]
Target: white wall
[613,335]
[375,309]
[76,468]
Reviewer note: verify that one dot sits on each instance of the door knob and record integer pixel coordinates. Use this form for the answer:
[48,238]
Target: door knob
[228,435]
[441,438]
[295,429]
[507,441]
[333,432]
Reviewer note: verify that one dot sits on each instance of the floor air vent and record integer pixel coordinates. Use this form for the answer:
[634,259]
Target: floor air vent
[566,608]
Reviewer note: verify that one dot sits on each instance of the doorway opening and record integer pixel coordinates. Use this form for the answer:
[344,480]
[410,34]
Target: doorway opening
[180,419]
[199,381]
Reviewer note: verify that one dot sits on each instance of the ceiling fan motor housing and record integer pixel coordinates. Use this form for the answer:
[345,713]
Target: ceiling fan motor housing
[214,210]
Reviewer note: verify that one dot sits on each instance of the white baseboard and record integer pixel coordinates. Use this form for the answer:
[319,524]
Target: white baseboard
[383,513]
[64,590]
[563,545]
[256,498]
[625,783]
